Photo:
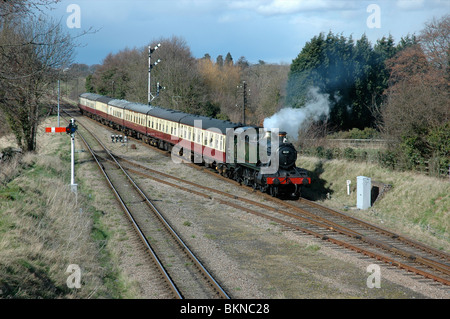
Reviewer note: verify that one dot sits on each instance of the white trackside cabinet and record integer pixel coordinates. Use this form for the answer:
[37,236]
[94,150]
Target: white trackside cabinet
[363,189]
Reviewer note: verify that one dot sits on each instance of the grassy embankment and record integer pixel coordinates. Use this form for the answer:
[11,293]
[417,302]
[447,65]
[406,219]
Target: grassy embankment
[44,228]
[417,206]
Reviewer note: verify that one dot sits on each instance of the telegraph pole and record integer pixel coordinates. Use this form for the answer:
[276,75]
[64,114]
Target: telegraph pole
[245,101]
[59,92]
[244,87]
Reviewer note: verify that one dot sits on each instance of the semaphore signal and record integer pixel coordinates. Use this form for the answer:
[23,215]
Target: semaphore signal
[71,129]
[55,129]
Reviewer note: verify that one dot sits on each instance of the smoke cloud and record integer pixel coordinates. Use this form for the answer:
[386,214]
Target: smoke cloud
[291,120]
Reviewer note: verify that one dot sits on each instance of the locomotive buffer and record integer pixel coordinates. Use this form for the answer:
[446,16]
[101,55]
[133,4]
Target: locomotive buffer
[71,129]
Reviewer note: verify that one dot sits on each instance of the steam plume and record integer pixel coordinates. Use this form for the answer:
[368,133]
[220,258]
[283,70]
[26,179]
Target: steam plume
[291,120]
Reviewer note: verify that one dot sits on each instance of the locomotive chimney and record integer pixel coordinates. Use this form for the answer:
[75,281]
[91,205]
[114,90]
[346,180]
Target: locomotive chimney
[282,137]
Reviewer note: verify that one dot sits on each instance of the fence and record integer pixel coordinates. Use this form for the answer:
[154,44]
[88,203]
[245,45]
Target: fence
[424,168]
[375,155]
[358,143]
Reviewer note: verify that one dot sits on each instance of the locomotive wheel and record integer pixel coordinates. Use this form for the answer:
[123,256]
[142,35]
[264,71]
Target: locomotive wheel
[273,191]
[298,192]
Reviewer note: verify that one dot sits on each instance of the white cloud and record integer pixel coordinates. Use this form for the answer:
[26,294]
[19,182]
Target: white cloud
[291,6]
[286,7]
[319,24]
[410,4]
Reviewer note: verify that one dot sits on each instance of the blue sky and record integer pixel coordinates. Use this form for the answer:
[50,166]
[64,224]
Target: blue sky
[271,30]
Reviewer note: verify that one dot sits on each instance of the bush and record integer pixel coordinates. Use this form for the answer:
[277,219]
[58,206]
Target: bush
[320,151]
[355,133]
[387,159]
[439,140]
[349,153]
[8,153]
[329,153]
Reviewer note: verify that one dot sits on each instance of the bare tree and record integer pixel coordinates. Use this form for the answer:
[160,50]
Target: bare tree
[267,85]
[23,8]
[417,104]
[221,82]
[32,52]
[435,42]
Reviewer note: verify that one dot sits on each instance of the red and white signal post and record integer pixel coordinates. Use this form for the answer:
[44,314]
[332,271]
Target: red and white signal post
[71,129]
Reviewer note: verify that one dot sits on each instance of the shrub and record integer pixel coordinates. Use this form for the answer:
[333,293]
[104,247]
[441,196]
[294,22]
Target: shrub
[355,133]
[329,153]
[439,140]
[349,153]
[387,159]
[320,151]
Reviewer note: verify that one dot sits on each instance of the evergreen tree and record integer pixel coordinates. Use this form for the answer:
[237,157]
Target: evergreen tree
[353,75]
[364,74]
[228,59]
[219,60]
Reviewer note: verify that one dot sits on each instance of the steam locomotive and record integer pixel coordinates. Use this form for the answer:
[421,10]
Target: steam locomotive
[251,155]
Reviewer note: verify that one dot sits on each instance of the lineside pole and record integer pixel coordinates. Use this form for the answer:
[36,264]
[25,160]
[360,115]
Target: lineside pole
[73,186]
[59,92]
[149,70]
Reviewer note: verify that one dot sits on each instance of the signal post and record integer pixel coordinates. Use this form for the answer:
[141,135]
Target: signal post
[71,129]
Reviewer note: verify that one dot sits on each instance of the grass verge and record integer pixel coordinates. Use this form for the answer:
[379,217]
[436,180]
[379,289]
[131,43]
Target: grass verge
[44,228]
[417,206]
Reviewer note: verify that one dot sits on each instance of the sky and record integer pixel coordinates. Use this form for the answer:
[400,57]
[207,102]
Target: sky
[274,31]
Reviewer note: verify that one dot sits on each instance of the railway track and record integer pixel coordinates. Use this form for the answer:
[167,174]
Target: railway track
[315,223]
[181,270]
[324,223]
